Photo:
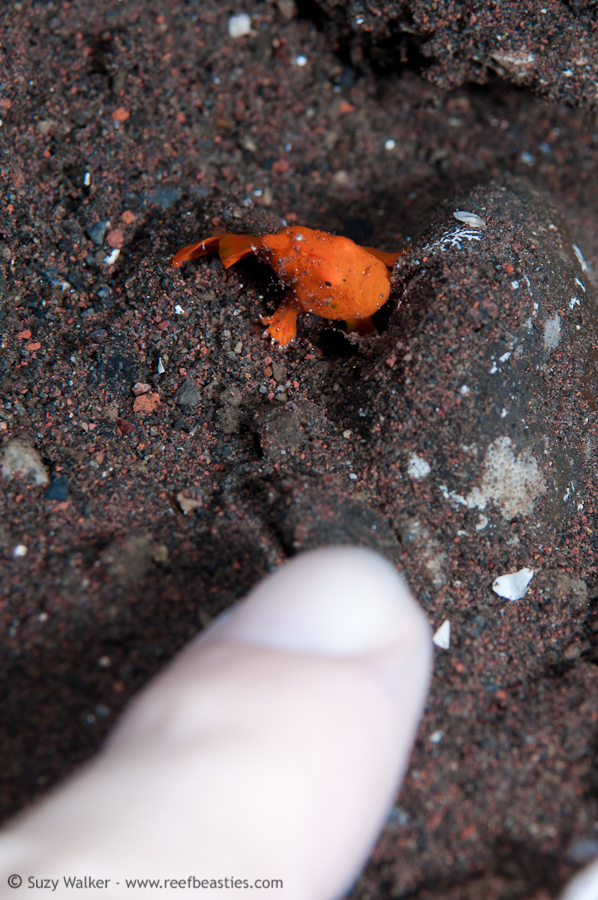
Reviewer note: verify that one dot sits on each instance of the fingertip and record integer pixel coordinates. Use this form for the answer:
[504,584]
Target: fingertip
[335,601]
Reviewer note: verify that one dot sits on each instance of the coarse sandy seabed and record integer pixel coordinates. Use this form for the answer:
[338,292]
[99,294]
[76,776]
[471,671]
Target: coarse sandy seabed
[130,518]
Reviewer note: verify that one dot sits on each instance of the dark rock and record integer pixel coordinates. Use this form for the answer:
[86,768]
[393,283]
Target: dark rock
[181,424]
[279,372]
[164,196]
[52,276]
[75,280]
[188,396]
[232,396]
[104,293]
[64,245]
[59,488]
[97,232]
[488,415]
[230,419]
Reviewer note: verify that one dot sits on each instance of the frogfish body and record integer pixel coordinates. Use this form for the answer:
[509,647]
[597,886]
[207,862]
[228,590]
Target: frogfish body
[322,273]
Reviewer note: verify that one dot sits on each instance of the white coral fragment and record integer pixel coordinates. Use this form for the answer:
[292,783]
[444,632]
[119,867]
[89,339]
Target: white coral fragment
[442,637]
[514,585]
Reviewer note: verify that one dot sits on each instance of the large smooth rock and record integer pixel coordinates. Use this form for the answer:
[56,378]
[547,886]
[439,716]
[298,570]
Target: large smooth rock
[487,380]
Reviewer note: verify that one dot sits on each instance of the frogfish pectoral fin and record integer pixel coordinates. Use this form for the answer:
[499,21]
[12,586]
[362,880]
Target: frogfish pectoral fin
[389,259]
[234,246]
[282,326]
[194,251]
[361,326]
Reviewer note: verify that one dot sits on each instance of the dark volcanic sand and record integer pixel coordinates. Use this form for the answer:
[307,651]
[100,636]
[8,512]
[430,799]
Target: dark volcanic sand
[149,117]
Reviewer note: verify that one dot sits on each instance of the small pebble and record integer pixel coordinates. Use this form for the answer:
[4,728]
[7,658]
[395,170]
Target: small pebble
[160,554]
[22,461]
[188,396]
[121,114]
[58,489]
[187,504]
[115,238]
[20,550]
[239,25]
[146,403]
[288,8]
[97,232]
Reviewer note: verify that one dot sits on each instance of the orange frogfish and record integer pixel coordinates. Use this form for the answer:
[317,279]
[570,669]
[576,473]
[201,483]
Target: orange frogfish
[323,274]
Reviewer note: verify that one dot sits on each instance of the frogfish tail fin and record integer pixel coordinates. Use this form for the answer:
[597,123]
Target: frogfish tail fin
[234,246]
[194,251]
[361,326]
[389,259]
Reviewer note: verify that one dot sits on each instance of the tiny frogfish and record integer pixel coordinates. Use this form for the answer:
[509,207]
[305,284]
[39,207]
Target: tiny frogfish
[322,273]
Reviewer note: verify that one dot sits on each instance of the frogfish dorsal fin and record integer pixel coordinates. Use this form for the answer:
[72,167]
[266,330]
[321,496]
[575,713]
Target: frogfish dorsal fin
[234,246]
[194,251]
[389,259]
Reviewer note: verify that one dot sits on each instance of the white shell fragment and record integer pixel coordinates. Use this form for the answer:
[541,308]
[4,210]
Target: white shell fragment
[442,638]
[513,586]
[239,24]
[161,368]
[112,257]
[580,259]
[469,218]
[417,467]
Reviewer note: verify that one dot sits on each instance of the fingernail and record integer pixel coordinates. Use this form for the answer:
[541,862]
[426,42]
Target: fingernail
[338,601]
